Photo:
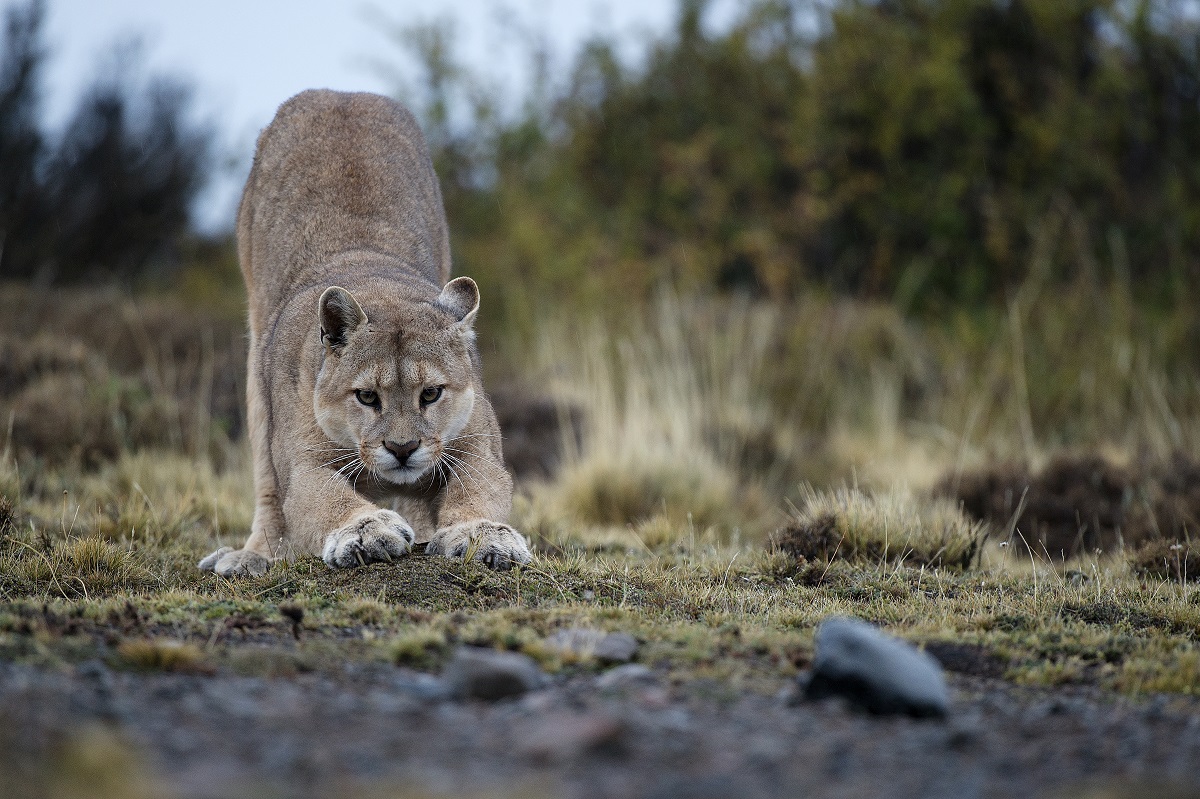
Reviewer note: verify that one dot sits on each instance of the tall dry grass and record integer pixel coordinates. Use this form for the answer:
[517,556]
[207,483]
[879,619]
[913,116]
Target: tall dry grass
[711,412]
[699,416]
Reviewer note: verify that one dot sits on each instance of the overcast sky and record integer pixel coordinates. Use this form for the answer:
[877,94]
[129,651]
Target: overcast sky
[245,57]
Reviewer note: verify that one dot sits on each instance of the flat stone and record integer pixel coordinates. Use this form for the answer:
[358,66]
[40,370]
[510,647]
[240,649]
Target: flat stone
[421,686]
[616,648]
[566,736]
[580,641]
[479,673]
[877,672]
[585,642]
[631,674]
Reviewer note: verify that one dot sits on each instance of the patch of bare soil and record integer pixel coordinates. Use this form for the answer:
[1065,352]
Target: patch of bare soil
[818,542]
[588,736]
[535,428]
[1084,503]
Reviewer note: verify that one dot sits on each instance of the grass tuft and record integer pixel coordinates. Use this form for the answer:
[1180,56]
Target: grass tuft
[1167,560]
[609,492]
[422,648]
[158,654]
[852,525]
[76,568]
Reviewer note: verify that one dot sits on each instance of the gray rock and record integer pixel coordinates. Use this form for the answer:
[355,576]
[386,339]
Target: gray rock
[477,673]
[567,735]
[616,648]
[421,686]
[585,642]
[580,641]
[875,671]
[631,674]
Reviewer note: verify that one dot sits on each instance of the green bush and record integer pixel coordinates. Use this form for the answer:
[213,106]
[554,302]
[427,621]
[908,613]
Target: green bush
[927,151]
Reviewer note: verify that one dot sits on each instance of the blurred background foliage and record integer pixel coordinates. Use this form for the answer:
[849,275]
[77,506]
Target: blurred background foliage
[925,152]
[836,240]
[110,195]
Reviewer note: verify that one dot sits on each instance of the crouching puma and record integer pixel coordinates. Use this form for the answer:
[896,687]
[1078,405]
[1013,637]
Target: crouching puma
[367,418]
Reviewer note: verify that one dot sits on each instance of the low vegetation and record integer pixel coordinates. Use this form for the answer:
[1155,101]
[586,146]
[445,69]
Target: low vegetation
[895,528]
[725,475]
[888,316]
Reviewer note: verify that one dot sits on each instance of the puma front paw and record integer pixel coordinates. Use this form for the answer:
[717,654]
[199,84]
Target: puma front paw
[230,562]
[378,535]
[496,545]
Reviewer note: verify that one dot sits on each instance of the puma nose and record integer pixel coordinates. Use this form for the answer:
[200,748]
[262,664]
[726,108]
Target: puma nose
[402,451]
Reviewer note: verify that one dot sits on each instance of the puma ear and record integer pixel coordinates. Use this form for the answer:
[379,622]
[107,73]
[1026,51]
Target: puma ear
[340,315]
[461,298]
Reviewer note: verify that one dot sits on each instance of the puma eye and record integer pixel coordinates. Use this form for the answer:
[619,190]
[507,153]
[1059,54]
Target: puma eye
[431,395]
[367,397]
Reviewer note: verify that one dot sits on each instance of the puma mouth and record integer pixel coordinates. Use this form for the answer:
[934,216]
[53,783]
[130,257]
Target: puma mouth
[403,475]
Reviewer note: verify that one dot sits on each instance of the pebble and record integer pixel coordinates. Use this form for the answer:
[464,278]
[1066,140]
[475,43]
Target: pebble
[421,686]
[631,674]
[616,648]
[566,736]
[585,642]
[880,673]
[479,673]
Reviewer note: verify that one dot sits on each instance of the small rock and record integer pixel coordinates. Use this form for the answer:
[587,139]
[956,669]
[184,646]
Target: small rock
[478,673]
[629,674]
[616,648]
[421,686]
[584,642]
[96,671]
[565,736]
[880,673]
[963,733]
[579,641]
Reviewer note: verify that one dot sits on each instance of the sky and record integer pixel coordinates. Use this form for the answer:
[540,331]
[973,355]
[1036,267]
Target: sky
[245,57]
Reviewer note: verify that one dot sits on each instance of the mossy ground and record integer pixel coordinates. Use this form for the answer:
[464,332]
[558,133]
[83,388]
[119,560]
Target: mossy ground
[122,586]
[775,481]
[692,434]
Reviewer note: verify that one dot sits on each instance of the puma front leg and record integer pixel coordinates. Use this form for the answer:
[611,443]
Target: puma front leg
[325,516]
[472,519]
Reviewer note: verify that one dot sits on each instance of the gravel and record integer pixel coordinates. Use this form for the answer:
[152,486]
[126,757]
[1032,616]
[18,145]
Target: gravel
[585,642]
[321,734]
[478,673]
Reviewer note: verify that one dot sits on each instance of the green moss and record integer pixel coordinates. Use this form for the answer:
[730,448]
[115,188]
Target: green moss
[162,655]
[423,649]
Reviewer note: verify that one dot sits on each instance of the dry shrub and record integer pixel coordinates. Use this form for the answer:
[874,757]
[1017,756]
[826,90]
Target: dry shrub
[1079,504]
[163,655]
[852,525]
[1173,497]
[1165,559]
[535,428]
[609,492]
[116,373]
[71,417]
[1075,505]
[8,515]
[79,567]
[23,360]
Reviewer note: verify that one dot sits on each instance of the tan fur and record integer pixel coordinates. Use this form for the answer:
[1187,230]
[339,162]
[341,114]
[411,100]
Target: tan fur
[345,252]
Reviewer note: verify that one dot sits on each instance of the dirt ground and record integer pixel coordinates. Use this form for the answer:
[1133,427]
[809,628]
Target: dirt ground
[387,731]
[1083,503]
